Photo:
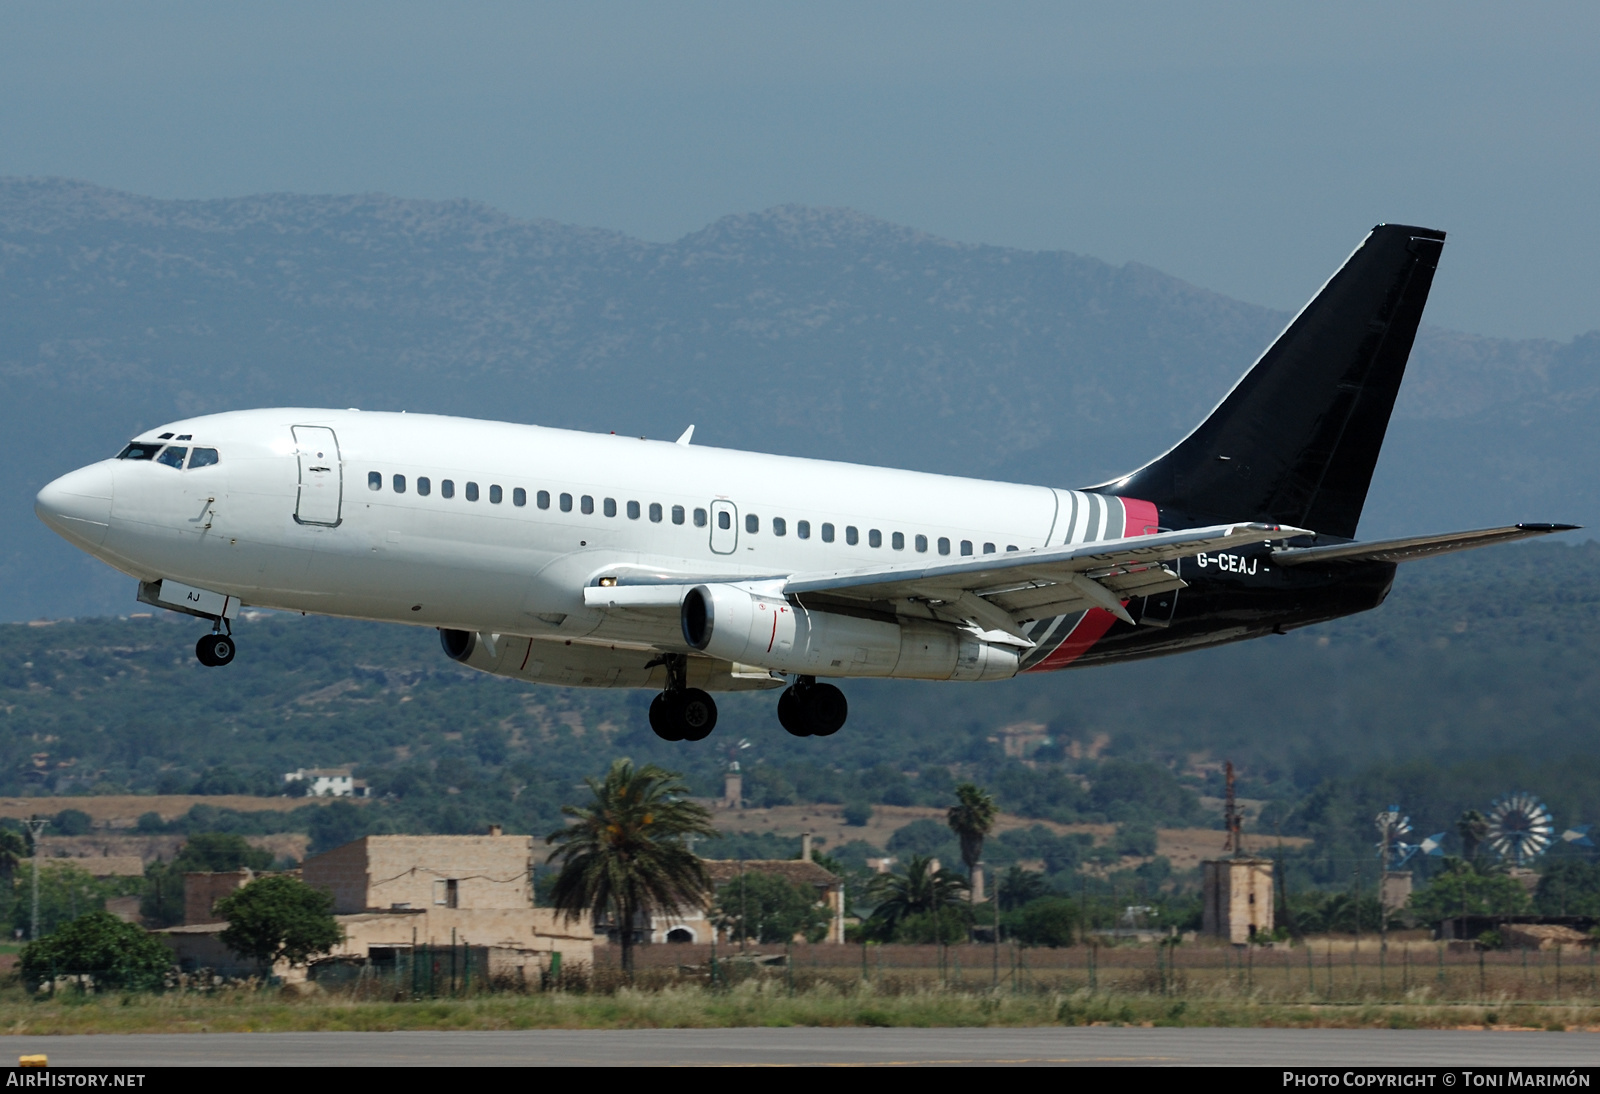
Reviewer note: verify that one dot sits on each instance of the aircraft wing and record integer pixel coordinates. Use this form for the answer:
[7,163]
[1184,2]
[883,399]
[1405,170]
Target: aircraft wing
[1001,592]
[1413,547]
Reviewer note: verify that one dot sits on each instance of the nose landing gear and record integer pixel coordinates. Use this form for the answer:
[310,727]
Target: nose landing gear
[681,713]
[809,709]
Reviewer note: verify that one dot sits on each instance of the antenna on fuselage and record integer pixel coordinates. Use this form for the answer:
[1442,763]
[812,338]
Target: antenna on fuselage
[687,434]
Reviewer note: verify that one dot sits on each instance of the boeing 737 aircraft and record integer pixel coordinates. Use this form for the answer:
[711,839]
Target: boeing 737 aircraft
[602,561]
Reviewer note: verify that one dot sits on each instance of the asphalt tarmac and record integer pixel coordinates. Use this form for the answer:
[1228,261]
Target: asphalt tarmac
[1340,1048]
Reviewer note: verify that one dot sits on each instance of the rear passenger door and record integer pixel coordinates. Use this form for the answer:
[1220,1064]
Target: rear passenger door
[724,527]
[321,476]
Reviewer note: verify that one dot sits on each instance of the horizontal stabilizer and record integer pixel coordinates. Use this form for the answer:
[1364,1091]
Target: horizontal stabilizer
[1413,547]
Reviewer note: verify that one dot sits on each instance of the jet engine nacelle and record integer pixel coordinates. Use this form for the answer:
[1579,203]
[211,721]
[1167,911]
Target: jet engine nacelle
[732,623]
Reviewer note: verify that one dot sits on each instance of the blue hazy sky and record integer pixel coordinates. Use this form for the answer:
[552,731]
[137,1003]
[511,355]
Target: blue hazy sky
[1244,147]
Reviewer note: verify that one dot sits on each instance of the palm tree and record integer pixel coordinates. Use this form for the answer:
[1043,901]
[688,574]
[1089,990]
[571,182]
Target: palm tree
[1018,886]
[1473,828]
[922,888]
[971,819]
[625,853]
[13,849]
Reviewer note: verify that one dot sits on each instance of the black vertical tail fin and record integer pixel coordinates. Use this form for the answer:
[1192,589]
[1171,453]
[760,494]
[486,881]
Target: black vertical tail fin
[1296,440]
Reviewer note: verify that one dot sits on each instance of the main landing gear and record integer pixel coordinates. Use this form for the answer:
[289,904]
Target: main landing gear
[681,713]
[215,649]
[809,709]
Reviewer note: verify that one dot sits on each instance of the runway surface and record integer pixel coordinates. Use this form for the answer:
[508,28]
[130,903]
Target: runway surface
[825,1047]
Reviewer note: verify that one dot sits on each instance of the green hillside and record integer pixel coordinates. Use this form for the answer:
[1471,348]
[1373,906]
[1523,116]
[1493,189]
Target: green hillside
[1479,676]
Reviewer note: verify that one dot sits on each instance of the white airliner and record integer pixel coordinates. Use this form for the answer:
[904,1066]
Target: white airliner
[603,561]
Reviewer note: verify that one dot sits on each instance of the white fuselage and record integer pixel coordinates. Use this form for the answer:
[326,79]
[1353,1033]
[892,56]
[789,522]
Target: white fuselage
[302,512]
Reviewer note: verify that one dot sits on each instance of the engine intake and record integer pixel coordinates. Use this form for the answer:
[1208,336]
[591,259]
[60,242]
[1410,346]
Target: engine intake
[458,645]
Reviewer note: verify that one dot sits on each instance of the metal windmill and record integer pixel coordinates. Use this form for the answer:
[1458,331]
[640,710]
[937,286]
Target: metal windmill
[1520,827]
[1393,826]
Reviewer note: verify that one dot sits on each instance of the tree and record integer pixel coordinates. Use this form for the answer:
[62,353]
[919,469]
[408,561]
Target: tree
[1570,886]
[279,918]
[624,854]
[13,850]
[971,818]
[73,822]
[214,851]
[1046,921]
[920,889]
[1460,890]
[1017,887]
[769,908]
[162,902]
[1473,828]
[66,892]
[101,946]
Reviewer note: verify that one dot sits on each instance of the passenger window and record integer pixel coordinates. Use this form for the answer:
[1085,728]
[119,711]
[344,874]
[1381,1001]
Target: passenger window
[472,491]
[611,507]
[207,457]
[374,479]
[447,488]
[944,545]
[851,536]
[519,496]
[137,451]
[172,457]
[966,546]
[399,484]
[724,521]
[1011,546]
[677,515]
[874,538]
[424,485]
[655,512]
[496,496]
[699,518]
[827,533]
[988,548]
[922,543]
[780,527]
[566,503]
[633,510]
[586,504]
[752,523]
[898,541]
[803,529]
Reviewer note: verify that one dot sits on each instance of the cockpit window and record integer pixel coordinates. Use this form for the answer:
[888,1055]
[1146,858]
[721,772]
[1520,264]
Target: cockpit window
[140,450]
[173,455]
[202,457]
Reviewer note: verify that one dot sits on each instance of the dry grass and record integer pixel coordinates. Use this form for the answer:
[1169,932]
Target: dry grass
[757,1001]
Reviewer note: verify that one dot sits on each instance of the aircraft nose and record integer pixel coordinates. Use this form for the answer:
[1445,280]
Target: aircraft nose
[78,504]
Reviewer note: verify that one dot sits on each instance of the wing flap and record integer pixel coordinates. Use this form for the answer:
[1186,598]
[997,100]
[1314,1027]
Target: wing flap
[1414,547]
[990,574]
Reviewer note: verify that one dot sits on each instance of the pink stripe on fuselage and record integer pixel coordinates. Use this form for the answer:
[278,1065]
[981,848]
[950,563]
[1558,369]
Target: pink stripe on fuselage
[1139,519]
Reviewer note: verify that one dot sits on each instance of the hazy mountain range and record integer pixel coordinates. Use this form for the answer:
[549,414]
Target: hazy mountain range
[817,332]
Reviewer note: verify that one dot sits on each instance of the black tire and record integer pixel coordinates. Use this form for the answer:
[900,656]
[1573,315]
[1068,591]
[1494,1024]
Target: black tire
[790,716]
[222,649]
[665,718]
[825,709]
[202,651]
[697,714]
